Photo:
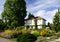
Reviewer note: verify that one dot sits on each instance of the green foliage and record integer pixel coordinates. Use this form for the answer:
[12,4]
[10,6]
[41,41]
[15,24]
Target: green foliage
[1,21]
[27,37]
[11,33]
[43,26]
[52,27]
[14,13]
[57,21]
[36,33]
[57,34]
[20,28]
[2,25]
[30,16]
[54,37]
[46,32]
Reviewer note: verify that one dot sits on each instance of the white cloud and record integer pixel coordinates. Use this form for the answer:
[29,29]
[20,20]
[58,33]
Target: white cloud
[40,13]
[42,4]
[41,8]
[1,6]
[48,15]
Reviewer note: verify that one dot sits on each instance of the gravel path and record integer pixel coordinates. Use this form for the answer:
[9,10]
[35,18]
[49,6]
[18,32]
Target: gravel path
[51,40]
[56,40]
[6,40]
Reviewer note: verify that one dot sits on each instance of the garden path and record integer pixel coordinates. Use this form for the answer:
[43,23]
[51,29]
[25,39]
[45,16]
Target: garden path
[56,40]
[6,40]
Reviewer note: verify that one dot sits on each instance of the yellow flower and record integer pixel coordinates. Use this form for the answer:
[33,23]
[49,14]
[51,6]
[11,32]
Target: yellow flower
[43,32]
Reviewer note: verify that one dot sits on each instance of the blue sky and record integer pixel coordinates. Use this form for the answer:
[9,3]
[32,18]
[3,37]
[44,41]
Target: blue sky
[43,8]
[1,6]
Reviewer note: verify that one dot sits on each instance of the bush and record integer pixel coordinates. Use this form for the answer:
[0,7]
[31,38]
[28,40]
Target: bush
[36,33]
[27,37]
[24,31]
[57,34]
[20,28]
[16,33]
[7,34]
[54,37]
[43,32]
[46,32]
[10,33]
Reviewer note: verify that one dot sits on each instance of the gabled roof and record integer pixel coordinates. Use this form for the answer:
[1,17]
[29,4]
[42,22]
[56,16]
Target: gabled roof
[38,18]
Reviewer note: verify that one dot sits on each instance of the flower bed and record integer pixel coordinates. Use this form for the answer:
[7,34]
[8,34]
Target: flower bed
[10,33]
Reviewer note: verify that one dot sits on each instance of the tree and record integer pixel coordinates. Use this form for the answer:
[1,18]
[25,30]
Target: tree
[14,11]
[57,21]
[52,27]
[2,25]
[30,16]
[49,25]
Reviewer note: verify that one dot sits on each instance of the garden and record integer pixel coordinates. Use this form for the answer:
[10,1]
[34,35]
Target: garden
[20,34]
[12,24]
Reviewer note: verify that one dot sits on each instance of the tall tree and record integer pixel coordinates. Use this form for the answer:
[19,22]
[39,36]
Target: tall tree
[1,25]
[52,27]
[49,25]
[57,21]
[30,16]
[14,11]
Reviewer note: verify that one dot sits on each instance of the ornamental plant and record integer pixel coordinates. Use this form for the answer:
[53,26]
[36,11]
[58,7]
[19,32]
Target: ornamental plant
[36,33]
[26,37]
[45,32]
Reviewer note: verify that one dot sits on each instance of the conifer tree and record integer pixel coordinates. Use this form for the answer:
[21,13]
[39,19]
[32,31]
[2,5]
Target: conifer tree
[57,21]
[14,12]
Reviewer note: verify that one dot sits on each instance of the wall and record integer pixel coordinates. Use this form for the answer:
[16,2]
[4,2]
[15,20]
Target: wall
[28,22]
[39,22]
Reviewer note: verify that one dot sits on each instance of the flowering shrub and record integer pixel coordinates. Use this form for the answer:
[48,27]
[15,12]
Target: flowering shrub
[20,28]
[1,34]
[10,33]
[25,31]
[7,32]
[16,33]
[45,32]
